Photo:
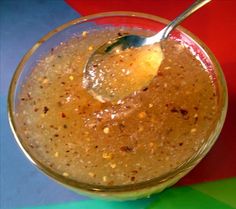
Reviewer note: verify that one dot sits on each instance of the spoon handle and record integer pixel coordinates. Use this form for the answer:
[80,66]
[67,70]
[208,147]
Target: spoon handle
[172,25]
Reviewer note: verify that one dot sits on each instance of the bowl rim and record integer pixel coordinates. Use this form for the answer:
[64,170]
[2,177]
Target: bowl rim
[187,165]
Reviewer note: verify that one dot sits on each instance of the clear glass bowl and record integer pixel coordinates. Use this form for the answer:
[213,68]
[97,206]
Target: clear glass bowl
[129,19]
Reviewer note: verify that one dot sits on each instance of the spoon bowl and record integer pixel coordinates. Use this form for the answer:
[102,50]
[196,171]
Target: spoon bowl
[129,42]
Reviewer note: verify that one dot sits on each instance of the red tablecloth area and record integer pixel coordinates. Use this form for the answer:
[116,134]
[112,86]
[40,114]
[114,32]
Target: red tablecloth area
[214,24]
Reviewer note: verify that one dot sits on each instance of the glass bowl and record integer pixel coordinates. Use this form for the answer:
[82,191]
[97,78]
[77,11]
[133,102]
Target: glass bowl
[129,19]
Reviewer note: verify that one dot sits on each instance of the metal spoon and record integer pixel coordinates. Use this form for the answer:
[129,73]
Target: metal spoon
[126,42]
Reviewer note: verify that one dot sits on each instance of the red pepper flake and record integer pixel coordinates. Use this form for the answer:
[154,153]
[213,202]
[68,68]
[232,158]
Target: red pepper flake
[51,165]
[126,149]
[183,111]
[121,126]
[132,178]
[195,118]
[45,109]
[63,115]
[134,171]
[145,89]
[29,96]
[196,108]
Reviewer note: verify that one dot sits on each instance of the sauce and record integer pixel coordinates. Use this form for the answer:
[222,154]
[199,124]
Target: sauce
[145,135]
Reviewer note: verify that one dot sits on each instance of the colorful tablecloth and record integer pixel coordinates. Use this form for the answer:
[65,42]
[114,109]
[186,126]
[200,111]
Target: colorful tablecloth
[23,22]
[214,195]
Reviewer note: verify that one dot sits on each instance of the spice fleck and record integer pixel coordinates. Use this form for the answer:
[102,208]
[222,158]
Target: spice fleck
[193,130]
[84,34]
[106,130]
[91,174]
[71,77]
[113,165]
[90,48]
[65,174]
[142,115]
[106,155]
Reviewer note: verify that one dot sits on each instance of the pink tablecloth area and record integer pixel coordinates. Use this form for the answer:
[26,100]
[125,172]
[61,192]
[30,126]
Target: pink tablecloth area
[215,24]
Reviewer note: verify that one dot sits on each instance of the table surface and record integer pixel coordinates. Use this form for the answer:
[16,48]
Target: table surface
[23,22]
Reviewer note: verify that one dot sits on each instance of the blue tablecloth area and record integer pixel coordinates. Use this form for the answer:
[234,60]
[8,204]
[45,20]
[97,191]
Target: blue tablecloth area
[22,23]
